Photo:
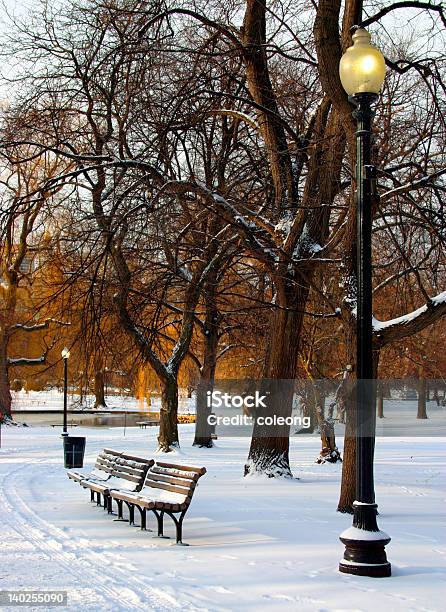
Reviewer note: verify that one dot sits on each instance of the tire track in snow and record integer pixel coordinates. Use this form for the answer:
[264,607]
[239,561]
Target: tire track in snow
[116,587]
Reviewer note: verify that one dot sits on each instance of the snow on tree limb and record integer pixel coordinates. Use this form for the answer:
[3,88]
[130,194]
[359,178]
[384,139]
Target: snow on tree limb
[31,328]
[426,181]
[411,323]
[25,361]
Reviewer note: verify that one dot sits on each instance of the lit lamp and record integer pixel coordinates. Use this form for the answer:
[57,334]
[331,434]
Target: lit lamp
[65,355]
[362,71]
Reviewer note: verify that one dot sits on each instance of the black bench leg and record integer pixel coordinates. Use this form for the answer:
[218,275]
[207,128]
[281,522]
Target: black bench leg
[131,508]
[109,504]
[143,515]
[179,527]
[98,499]
[161,524]
[119,502]
[160,520]
[91,495]
[120,515]
[106,498]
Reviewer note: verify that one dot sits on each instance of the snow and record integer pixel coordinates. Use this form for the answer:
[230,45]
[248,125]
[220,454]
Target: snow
[353,533]
[255,544]
[439,299]
[435,301]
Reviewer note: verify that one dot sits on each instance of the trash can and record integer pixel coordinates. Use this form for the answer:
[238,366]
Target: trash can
[74,450]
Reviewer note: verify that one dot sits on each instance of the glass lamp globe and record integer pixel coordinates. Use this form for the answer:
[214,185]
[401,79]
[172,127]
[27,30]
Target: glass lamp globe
[65,353]
[362,67]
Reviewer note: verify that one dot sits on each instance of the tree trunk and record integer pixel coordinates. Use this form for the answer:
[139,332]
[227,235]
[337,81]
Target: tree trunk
[5,390]
[421,412]
[168,434]
[309,409]
[203,431]
[329,451]
[380,400]
[348,399]
[99,390]
[436,396]
[348,485]
[269,451]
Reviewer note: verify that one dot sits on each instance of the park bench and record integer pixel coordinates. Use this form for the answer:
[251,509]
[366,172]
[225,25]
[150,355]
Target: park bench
[127,473]
[168,489]
[102,468]
[144,424]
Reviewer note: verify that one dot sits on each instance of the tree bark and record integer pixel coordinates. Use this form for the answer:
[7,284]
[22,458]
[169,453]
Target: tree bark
[421,409]
[5,390]
[168,433]
[380,400]
[329,451]
[348,484]
[203,431]
[269,451]
[99,387]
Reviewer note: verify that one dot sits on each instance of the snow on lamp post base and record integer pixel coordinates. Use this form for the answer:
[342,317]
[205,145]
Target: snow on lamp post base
[365,553]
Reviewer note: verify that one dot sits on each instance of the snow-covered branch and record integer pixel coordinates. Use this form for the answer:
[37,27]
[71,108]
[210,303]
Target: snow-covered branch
[414,185]
[32,328]
[25,361]
[411,323]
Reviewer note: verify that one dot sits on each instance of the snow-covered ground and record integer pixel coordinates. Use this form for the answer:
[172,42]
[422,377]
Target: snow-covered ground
[255,544]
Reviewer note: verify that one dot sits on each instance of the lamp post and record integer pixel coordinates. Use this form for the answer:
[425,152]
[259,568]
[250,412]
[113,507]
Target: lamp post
[362,71]
[65,356]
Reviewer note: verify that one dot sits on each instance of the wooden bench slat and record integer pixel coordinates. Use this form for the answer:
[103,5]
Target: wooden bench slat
[125,476]
[182,482]
[174,473]
[110,451]
[183,468]
[167,487]
[137,459]
[131,470]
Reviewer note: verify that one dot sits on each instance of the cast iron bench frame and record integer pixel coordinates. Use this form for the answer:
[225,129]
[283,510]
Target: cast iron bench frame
[175,478]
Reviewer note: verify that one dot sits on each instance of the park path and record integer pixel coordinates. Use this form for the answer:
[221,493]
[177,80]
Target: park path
[61,561]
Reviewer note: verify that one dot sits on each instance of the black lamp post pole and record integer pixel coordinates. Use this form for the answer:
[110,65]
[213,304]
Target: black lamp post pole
[65,396]
[364,554]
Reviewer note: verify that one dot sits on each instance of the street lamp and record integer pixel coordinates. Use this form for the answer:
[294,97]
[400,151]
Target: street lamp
[65,355]
[362,70]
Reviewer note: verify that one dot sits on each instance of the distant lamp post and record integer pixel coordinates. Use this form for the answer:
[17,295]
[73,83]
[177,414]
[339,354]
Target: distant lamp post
[362,71]
[65,356]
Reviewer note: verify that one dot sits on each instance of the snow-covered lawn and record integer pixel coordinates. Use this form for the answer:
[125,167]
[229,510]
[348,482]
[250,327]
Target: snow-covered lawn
[254,544]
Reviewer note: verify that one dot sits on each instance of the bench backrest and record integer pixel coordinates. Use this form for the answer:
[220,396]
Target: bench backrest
[129,471]
[174,478]
[105,462]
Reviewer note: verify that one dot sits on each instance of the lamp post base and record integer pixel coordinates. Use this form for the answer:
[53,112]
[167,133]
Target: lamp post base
[365,544]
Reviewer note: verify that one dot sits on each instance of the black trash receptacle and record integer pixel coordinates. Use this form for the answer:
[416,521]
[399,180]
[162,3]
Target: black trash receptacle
[74,450]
